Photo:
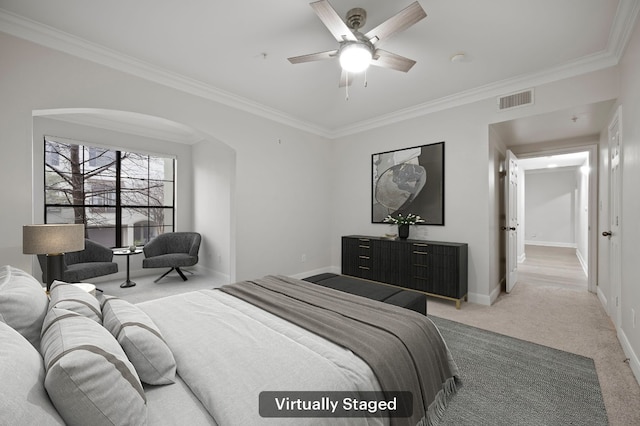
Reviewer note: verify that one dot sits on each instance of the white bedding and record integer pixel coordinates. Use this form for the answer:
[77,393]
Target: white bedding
[228,351]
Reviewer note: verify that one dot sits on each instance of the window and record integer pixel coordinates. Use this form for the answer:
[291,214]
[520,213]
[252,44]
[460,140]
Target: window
[123,198]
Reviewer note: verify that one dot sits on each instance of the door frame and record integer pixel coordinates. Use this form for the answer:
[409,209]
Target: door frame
[593,232]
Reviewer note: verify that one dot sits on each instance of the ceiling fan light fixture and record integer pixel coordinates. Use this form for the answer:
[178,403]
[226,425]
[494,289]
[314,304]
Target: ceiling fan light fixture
[355,57]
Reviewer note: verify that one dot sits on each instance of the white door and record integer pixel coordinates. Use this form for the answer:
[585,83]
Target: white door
[511,223]
[615,225]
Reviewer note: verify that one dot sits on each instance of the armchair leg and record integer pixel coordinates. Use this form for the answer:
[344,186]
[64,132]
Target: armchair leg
[177,269]
[163,275]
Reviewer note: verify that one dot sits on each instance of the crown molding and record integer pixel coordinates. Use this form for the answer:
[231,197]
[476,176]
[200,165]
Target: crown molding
[622,27]
[586,64]
[623,24]
[44,35]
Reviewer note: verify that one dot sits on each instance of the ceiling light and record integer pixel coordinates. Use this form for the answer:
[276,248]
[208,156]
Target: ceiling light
[552,166]
[355,57]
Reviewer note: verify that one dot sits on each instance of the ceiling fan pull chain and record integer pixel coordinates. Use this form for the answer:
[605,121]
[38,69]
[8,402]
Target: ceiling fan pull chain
[365,78]
[347,85]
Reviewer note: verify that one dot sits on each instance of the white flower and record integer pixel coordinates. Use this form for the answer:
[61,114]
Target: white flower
[410,219]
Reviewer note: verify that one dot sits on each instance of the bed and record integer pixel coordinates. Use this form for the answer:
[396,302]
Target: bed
[216,357]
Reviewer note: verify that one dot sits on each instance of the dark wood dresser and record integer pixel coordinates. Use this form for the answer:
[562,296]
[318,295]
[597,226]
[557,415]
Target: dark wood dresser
[436,268]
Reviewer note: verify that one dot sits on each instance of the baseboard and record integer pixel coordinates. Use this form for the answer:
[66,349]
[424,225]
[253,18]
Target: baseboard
[217,275]
[634,362]
[603,299]
[480,299]
[495,293]
[583,262]
[550,244]
[301,275]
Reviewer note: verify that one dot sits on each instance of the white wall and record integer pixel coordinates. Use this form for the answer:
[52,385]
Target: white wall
[629,99]
[550,207]
[280,206]
[213,188]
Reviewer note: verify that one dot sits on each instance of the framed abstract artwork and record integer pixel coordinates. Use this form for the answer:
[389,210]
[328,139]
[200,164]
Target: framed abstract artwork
[409,180]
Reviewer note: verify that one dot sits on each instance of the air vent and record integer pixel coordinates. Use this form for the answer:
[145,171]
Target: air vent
[515,100]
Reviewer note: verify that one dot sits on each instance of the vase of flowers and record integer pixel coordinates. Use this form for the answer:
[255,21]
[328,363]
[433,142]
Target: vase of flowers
[403,222]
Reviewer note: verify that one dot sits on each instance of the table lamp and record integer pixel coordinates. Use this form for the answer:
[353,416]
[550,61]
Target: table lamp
[53,240]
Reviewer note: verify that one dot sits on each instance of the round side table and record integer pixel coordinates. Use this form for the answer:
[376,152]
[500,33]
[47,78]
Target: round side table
[128,253]
[88,287]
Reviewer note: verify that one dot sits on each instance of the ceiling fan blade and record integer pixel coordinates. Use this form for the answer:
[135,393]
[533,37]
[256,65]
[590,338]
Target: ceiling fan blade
[399,22]
[332,21]
[329,54]
[346,79]
[384,59]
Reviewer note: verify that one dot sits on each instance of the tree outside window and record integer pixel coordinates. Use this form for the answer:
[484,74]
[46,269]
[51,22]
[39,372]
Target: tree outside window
[122,198]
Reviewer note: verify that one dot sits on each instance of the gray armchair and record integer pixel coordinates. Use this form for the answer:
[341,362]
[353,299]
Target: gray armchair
[95,260]
[172,250]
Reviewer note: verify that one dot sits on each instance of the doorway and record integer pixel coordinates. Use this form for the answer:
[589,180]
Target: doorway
[557,208]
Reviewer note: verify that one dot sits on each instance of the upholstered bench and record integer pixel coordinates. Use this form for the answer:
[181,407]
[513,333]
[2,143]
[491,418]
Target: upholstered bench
[369,289]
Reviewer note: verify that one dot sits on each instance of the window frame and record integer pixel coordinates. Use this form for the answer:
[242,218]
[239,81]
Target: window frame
[85,162]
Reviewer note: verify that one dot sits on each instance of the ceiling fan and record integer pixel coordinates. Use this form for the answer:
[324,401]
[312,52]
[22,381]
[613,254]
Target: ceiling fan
[356,51]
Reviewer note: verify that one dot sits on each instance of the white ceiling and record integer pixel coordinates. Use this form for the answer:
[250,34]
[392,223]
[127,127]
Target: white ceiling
[236,51]
[552,162]
[576,122]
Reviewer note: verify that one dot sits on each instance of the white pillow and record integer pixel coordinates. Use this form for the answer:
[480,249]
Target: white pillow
[141,340]
[89,378]
[68,296]
[23,303]
[23,399]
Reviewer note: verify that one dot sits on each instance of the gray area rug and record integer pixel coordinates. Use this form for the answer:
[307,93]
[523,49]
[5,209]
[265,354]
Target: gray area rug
[507,381]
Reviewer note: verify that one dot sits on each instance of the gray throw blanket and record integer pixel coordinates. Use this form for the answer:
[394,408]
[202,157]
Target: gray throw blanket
[403,348]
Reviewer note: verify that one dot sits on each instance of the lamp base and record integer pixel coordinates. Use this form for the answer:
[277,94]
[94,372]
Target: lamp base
[55,267]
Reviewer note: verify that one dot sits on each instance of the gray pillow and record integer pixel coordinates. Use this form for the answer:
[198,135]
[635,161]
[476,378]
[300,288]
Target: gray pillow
[23,303]
[23,399]
[68,296]
[141,340]
[89,378]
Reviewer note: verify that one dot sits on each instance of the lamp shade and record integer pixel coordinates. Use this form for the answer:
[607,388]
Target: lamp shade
[52,239]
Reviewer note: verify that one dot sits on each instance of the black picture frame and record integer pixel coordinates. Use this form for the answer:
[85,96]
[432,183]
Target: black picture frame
[409,180]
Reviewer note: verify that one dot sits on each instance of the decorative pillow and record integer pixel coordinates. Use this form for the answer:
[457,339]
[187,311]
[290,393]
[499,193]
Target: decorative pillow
[23,399]
[141,340]
[23,303]
[67,296]
[89,378]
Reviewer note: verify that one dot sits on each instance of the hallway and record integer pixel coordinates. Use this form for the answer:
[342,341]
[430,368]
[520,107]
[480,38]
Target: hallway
[552,266]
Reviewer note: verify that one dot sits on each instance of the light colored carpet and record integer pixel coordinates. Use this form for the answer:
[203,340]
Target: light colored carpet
[565,317]
[146,289]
